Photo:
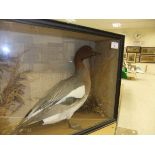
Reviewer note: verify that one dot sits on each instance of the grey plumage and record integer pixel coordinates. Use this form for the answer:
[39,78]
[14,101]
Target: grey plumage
[47,105]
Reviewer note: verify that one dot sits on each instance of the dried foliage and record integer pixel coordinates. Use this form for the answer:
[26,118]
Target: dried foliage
[11,95]
[92,105]
[3,68]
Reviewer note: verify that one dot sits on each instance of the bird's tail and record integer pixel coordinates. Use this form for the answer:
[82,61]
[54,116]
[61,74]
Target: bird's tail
[22,126]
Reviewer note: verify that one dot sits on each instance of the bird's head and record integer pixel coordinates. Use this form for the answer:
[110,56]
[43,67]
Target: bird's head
[85,52]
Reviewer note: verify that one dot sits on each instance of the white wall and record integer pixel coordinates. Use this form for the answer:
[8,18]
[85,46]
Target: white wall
[147,37]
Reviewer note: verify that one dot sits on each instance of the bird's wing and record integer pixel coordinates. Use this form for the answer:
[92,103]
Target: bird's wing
[54,110]
[64,90]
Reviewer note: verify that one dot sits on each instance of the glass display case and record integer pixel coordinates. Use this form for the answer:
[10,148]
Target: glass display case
[58,78]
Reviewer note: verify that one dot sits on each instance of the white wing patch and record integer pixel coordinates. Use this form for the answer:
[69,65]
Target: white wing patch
[54,119]
[76,93]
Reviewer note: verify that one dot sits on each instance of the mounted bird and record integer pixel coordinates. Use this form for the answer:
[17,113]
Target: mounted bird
[66,97]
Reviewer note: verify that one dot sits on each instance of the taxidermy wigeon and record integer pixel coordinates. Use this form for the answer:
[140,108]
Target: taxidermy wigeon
[66,97]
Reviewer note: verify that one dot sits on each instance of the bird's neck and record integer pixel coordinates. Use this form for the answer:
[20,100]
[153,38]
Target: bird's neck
[81,70]
[79,65]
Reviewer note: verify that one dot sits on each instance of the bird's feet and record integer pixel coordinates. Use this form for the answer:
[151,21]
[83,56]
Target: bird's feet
[74,125]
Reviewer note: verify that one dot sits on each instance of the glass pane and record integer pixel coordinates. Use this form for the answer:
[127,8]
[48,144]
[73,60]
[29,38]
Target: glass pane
[45,88]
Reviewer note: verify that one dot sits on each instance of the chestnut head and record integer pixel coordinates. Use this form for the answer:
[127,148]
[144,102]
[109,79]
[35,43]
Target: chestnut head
[85,52]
